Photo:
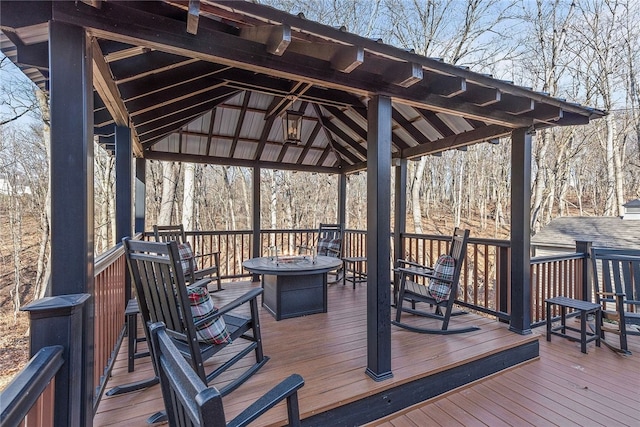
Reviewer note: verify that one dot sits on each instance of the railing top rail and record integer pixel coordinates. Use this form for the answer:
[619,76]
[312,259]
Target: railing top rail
[559,257]
[107,258]
[22,393]
[472,240]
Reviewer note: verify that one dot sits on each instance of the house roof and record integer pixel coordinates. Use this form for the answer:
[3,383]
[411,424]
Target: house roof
[209,83]
[612,232]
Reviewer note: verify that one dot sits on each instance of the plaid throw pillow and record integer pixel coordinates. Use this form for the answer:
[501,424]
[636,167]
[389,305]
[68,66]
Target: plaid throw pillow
[443,269]
[212,332]
[187,258]
[324,246]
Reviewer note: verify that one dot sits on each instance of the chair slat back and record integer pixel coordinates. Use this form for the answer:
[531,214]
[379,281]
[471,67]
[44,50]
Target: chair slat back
[458,250]
[332,232]
[187,399]
[167,233]
[161,290]
[617,270]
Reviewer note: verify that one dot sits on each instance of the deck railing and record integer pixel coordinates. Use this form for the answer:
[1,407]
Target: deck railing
[109,304]
[558,275]
[29,399]
[485,281]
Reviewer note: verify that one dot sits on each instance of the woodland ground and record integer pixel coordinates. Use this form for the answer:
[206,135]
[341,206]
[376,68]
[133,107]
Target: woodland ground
[14,327]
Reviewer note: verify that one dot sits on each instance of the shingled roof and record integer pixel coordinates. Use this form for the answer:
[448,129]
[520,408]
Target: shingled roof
[562,233]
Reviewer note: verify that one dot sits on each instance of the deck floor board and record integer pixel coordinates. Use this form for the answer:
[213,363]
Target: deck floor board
[329,350]
[563,387]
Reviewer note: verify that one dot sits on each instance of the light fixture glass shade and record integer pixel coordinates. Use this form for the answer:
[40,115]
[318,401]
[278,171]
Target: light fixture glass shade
[292,126]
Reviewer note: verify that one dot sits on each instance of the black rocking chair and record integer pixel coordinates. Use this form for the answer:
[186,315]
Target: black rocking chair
[435,288]
[188,400]
[161,290]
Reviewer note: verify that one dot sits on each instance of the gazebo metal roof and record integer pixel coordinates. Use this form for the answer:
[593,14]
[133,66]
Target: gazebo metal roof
[209,83]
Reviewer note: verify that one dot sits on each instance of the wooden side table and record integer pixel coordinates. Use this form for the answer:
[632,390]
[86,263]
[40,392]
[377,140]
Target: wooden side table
[585,308]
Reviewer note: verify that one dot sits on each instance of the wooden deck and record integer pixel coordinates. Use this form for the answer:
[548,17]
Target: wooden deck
[329,351]
[562,388]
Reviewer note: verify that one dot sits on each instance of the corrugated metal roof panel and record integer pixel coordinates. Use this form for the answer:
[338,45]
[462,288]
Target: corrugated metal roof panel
[194,144]
[220,147]
[245,150]
[252,126]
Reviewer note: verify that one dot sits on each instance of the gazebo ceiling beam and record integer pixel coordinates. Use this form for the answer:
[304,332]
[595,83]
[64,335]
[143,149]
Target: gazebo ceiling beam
[276,38]
[341,57]
[134,26]
[281,17]
[457,141]
[397,142]
[176,116]
[480,95]
[197,75]
[108,92]
[192,158]
[214,97]
[307,146]
[436,122]
[171,95]
[405,124]
[350,142]
[332,144]
[243,113]
[193,16]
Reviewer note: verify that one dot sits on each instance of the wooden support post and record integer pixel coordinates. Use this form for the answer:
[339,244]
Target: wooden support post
[587,271]
[520,232]
[342,199]
[378,244]
[124,194]
[62,314]
[400,217]
[503,280]
[141,191]
[256,218]
[71,169]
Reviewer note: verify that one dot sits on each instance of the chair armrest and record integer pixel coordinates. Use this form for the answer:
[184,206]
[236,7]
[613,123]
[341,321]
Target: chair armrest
[215,253]
[284,390]
[201,283]
[252,294]
[422,272]
[412,264]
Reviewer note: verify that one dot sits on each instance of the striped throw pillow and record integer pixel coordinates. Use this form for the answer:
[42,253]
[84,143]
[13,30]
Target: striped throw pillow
[211,331]
[443,269]
[186,258]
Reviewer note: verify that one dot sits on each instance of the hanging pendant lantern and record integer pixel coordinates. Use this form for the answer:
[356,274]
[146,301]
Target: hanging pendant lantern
[292,125]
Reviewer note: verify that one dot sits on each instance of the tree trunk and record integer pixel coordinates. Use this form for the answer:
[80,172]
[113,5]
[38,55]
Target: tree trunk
[188,193]
[415,195]
[170,173]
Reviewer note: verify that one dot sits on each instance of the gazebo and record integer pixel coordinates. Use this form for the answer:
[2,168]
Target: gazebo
[215,82]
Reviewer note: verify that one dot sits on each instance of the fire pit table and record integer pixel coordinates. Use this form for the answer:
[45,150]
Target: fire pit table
[293,285]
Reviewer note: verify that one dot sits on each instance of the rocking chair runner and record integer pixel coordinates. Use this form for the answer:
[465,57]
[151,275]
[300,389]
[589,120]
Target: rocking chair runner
[163,297]
[441,289]
[616,279]
[167,233]
[188,400]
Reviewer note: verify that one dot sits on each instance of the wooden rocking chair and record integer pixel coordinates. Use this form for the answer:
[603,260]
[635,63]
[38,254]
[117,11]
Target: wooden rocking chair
[188,400]
[440,288]
[163,296]
[167,233]
[616,280]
